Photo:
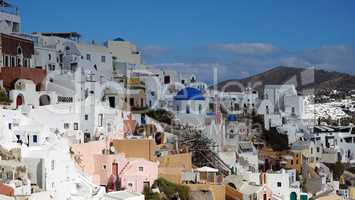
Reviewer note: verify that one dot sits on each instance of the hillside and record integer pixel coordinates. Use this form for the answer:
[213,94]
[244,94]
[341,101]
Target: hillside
[302,78]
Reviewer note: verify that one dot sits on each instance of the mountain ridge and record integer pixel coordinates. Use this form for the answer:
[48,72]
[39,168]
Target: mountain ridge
[303,78]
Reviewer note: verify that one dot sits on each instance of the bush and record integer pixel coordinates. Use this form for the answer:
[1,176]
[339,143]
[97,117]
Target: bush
[338,169]
[149,195]
[275,140]
[171,189]
[161,115]
[3,97]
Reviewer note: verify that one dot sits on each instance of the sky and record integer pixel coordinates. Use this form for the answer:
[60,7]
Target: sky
[240,38]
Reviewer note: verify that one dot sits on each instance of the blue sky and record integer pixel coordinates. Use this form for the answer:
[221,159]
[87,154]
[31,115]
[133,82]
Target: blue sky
[240,37]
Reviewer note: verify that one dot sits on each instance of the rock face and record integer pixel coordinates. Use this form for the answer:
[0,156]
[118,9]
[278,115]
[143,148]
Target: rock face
[303,78]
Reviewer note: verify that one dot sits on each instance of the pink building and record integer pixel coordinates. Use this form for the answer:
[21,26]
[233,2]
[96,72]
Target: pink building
[139,173]
[114,171]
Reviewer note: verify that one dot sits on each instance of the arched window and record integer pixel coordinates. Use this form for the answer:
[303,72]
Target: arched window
[200,108]
[188,109]
[19,50]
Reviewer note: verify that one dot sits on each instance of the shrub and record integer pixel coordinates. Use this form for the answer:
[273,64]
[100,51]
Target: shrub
[3,97]
[275,140]
[161,115]
[149,195]
[171,189]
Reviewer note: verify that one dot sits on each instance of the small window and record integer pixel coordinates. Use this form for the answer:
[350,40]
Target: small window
[52,164]
[6,61]
[76,126]
[86,117]
[131,101]
[279,184]
[35,139]
[104,167]
[100,120]
[103,59]
[140,169]
[66,125]
[19,50]
[49,57]
[166,79]
[130,185]
[88,57]
[12,61]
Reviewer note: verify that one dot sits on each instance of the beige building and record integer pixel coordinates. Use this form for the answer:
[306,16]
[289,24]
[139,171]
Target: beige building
[124,51]
[136,148]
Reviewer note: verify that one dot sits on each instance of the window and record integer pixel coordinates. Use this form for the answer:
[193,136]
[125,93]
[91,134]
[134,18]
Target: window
[19,50]
[25,62]
[103,59]
[291,162]
[6,61]
[76,126]
[52,164]
[279,184]
[318,150]
[140,169]
[188,109]
[10,126]
[12,61]
[166,79]
[66,125]
[35,138]
[130,185]
[131,101]
[49,57]
[104,167]
[88,57]
[100,120]
[86,117]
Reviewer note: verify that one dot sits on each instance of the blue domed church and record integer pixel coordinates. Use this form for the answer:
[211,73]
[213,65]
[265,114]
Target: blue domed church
[190,100]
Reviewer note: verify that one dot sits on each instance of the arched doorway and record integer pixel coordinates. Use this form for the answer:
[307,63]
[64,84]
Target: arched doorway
[44,100]
[19,100]
[293,196]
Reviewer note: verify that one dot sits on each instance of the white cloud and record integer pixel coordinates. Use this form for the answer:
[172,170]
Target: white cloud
[154,50]
[245,48]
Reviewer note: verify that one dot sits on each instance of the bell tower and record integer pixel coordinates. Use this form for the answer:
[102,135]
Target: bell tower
[10,19]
